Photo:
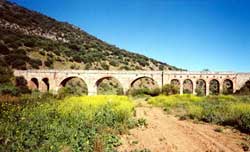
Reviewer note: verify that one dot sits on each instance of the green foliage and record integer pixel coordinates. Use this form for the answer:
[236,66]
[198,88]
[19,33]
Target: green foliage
[245,90]
[109,86]
[214,87]
[35,63]
[113,63]
[22,84]
[10,89]
[104,66]
[5,73]
[73,124]
[170,89]
[224,110]
[141,150]
[144,91]
[74,87]
[200,91]
[49,62]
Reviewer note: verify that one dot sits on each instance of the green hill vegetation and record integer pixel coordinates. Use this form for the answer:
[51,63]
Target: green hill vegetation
[36,41]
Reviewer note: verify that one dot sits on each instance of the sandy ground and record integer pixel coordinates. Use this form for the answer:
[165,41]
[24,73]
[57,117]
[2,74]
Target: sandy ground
[166,133]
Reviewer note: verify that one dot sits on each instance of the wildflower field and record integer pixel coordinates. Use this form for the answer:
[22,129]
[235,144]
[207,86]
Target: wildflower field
[72,124]
[224,110]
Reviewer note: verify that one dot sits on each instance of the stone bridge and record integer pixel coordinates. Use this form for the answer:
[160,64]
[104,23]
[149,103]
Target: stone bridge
[53,80]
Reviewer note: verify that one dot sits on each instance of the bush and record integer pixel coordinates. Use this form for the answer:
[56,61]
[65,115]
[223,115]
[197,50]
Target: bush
[170,89]
[113,63]
[48,63]
[104,66]
[245,90]
[19,62]
[9,89]
[74,87]
[109,86]
[144,91]
[21,83]
[6,74]
[200,92]
[35,63]
[73,124]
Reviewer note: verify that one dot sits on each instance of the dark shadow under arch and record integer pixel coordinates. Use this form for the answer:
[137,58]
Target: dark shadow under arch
[214,87]
[200,87]
[228,86]
[45,85]
[34,84]
[188,86]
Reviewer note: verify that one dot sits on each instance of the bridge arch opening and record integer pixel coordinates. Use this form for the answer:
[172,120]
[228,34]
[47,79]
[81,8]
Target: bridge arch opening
[74,86]
[187,86]
[109,86]
[176,83]
[144,85]
[45,85]
[200,87]
[33,84]
[228,86]
[214,87]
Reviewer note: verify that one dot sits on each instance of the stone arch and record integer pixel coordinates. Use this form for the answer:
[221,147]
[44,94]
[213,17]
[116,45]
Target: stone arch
[200,87]
[75,84]
[188,86]
[44,85]
[214,87]
[144,85]
[34,84]
[147,79]
[109,85]
[175,82]
[228,87]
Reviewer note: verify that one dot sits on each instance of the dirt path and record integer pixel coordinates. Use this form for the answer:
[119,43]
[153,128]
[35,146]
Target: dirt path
[166,133]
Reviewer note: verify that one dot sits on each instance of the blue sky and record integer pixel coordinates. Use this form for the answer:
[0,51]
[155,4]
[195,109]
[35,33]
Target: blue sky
[190,34]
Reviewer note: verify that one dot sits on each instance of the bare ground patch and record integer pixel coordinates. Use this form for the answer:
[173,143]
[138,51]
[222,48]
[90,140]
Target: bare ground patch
[166,133]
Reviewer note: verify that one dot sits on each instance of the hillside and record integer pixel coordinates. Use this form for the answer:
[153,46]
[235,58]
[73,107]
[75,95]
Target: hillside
[30,40]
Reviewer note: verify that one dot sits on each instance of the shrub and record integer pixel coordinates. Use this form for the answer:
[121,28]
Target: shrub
[170,89]
[19,62]
[109,86]
[9,89]
[200,92]
[245,90]
[144,91]
[104,66]
[35,63]
[77,58]
[6,73]
[21,83]
[48,63]
[113,63]
[74,124]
